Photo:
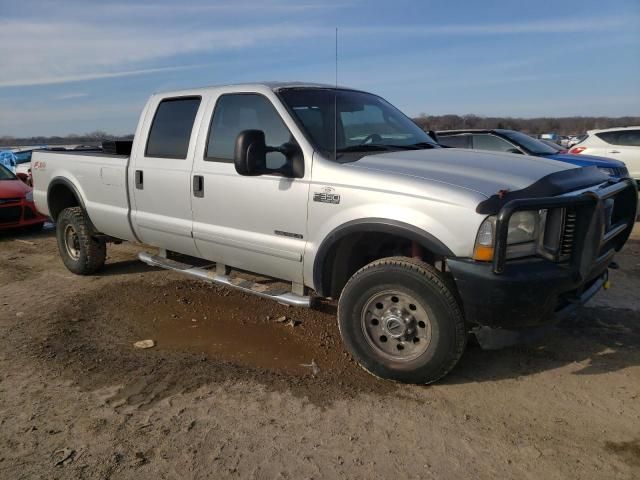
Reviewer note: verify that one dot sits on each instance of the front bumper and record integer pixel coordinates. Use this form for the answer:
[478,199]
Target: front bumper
[18,214]
[528,293]
[531,292]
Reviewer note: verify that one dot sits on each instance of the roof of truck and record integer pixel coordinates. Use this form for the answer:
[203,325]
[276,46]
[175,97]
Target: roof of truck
[274,86]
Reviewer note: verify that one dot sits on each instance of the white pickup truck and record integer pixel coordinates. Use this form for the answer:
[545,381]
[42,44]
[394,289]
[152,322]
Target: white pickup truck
[336,191]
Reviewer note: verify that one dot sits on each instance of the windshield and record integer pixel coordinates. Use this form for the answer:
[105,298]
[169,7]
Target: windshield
[365,122]
[528,143]
[6,174]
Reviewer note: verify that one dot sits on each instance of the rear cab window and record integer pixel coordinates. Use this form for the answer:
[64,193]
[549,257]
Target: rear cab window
[171,128]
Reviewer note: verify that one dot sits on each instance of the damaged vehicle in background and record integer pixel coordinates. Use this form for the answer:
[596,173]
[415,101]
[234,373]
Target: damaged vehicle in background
[335,191]
[17,209]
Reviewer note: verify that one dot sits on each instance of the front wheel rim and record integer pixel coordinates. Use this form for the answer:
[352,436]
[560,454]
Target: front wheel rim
[396,326]
[71,242]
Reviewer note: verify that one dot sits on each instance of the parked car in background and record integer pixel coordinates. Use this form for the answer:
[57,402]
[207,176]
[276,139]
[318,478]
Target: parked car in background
[621,143]
[511,141]
[17,209]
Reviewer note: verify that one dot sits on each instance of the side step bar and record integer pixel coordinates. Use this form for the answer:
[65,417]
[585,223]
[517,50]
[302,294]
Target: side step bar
[246,286]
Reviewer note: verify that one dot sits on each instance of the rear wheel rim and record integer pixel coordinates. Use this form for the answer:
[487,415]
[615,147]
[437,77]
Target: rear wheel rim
[396,326]
[71,242]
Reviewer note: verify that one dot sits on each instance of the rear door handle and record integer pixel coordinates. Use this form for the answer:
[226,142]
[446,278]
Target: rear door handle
[614,151]
[198,186]
[139,180]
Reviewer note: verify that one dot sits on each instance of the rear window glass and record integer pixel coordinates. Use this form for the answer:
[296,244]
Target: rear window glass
[171,128]
[630,138]
[456,141]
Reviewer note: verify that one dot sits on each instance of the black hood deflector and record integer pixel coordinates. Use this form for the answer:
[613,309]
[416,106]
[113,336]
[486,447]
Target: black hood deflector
[553,184]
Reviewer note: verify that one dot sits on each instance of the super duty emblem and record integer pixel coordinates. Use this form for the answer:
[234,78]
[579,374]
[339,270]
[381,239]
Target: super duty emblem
[327,195]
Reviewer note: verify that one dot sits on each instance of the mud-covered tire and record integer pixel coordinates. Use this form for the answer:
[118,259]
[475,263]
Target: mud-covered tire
[424,304]
[81,253]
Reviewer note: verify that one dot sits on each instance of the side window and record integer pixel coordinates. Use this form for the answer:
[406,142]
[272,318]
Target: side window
[456,141]
[627,138]
[491,142]
[171,128]
[237,112]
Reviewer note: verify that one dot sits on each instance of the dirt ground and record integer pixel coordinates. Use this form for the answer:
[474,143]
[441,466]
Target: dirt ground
[224,393]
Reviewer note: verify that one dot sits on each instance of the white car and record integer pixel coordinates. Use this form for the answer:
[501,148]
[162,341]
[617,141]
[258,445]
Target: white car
[621,143]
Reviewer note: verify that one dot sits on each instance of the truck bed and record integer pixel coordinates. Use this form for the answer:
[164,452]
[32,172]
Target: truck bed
[100,180]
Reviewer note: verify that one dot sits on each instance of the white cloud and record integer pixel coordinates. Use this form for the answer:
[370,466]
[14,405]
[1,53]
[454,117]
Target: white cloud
[69,96]
[36,53]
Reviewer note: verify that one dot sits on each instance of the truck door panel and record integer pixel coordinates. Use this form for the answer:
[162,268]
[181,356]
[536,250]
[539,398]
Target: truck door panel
[162,173]
[256,223]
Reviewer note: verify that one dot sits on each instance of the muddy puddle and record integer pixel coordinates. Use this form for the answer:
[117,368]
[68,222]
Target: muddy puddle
[267,344]
[217,323]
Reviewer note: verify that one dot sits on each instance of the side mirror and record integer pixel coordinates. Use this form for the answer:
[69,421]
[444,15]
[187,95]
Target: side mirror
[514,150]
[250,154]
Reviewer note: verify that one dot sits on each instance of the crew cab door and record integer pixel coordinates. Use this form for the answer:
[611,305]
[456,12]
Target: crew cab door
[160,174]
[257,223]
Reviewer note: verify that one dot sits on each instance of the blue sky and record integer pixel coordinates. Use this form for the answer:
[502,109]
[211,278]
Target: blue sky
[75,67]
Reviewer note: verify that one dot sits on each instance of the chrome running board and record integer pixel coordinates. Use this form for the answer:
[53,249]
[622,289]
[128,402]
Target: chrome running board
[213,276]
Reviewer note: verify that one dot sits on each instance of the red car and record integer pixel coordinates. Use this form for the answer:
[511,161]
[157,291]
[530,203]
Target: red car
[17,209]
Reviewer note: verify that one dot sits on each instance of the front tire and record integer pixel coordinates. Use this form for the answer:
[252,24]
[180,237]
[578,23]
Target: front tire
[400,321]
[81,253]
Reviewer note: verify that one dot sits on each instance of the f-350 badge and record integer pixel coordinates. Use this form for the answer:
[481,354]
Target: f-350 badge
[327,195]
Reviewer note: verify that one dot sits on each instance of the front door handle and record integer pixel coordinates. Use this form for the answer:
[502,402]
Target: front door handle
[614,151]
[139,180]
[198,186]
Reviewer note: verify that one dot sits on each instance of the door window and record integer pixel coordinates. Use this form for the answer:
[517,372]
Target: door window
[171,128]
[628,138]
[237,112]
[491,142]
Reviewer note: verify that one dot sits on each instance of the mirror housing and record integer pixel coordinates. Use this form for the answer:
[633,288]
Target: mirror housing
[250,154]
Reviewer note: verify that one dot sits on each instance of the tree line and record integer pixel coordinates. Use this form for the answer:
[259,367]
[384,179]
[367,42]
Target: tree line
[93,138]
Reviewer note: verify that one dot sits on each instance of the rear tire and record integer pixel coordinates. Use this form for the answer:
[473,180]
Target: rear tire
[81,253]
[400,321]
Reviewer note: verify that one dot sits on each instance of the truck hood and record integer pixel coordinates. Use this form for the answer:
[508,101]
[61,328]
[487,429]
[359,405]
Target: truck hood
[481,172]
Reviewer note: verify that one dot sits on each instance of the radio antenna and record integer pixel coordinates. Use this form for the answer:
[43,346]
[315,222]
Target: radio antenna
[335,107]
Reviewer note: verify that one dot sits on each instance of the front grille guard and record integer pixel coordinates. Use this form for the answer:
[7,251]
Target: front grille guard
[591,222]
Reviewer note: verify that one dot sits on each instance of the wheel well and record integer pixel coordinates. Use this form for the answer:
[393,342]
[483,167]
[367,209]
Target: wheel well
[61,196]
[355,250]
